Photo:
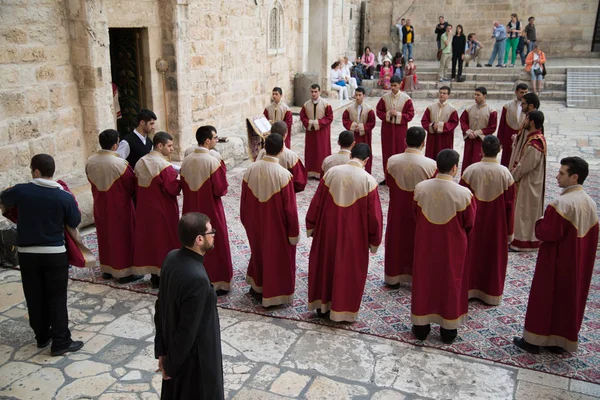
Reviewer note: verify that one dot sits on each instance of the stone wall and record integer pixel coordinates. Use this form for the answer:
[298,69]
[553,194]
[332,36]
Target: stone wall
[564,28]
[39,101]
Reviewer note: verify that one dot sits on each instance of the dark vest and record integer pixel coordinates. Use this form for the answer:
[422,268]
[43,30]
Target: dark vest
[137,149]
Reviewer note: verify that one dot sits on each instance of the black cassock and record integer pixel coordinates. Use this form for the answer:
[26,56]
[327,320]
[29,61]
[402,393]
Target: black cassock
[187,329]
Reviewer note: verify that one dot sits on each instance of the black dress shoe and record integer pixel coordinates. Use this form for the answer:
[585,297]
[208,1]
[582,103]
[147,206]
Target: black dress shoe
[130,278]
[421,331]
[41,345]
[255,294]
[382,183]
[322,314]
[448,335]
[155,281]
[555,349]
[524,345]
[222,292]
[74,346]
[106,275]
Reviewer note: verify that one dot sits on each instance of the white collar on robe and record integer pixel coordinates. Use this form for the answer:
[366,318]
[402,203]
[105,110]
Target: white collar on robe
[47,183]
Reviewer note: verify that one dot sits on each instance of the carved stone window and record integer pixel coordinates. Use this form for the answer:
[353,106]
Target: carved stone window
[276,41]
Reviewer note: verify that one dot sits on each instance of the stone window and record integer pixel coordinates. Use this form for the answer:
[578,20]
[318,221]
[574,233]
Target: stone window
[275,34]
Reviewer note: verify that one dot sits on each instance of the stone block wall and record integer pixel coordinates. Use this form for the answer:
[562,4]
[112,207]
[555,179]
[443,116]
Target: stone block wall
[39,101]
[564,28]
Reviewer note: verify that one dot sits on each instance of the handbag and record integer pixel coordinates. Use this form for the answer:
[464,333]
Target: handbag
[341,83]
[538,71]
[543,70]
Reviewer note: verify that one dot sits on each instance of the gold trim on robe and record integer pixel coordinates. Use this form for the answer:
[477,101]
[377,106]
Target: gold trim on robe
[348,183]
[266,177]
[105,168]
[342,157]
[552,340]
[198,167]
[439,113]
[337,316]
[287,158]
[410,168]
[312,118]
[441,199]
[479,118]
[514,119]
[394,103]
[281,108]
[356,122]
[577,207]
[488,179]
[438,319]
[149,167]
[270,301]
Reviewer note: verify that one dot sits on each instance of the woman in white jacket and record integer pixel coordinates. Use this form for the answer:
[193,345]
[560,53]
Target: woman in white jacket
[346,65]
[337,80]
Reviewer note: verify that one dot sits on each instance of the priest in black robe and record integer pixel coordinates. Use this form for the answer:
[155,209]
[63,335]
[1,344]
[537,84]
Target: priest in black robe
[188,336]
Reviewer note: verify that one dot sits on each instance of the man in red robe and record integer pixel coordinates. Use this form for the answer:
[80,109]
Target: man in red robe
[565,264]
[530,177]
[346,142]
[440,120]
[204,182]
[477,122]
[279,111]
[494,190]
[404,172]
[530,102]
[360,119]
[157,211]
[395,110]
[288,159]
[269,214]
[344,219]
[316,116]
[511,121]
[113,182]
[445,214]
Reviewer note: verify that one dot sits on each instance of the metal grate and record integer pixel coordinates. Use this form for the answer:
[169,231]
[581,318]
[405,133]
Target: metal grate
[583,87]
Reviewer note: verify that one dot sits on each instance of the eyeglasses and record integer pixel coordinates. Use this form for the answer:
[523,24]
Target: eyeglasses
[213,232]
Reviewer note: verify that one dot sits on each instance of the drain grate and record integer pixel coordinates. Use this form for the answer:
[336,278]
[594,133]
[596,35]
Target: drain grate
[583,87]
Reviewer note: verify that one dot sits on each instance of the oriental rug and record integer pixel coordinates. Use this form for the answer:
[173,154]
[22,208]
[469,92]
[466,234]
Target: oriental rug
[385,311]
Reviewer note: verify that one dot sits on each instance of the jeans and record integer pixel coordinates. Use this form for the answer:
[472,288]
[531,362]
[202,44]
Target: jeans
[439,43]
[407,48]
[529,46]
[498,50]
[511,49]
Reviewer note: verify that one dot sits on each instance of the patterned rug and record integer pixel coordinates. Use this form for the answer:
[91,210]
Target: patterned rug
[385,311]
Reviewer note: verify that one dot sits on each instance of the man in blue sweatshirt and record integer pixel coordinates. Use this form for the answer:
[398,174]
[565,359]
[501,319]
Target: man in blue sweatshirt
[44,209]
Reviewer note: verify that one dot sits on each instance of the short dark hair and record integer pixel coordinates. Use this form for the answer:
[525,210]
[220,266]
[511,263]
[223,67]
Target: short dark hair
[446,159]
[368,47]
[415,136]
[470,36]
[161,138]
[346,139]
[191,225]
[315,86]
[273,145]
[576,165]
[43,163]
[335,64]
[522,86]
[396,79]
[203,133]
[537,117]
[481,90]
[108,138]
[449,25]
[360,89]
[279,127]
[146,115]
[445,88]
[361,151]
[384,49]
[490,146]
[532,99]
[278,90]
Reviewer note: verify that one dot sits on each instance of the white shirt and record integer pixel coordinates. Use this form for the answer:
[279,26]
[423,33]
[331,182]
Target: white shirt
[346,69]
[124,149]
[336,76]
[380,57]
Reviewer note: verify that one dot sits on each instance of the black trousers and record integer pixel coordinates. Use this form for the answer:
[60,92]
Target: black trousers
[45,279]
[457,59]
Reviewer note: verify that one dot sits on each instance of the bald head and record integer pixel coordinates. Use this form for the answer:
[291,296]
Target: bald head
[280,128]
[496,24]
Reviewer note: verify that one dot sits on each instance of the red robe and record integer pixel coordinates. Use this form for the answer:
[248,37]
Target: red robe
[404,172]
[269,214]
[317,121]
[445,215]
[281,112]
[362,125]
[436,142]
[494,190]
[113,182]
[204,182]
[345,221]
[510,124]
[290,161]
[564,269]
[393,129]
[483,120]
[157,213]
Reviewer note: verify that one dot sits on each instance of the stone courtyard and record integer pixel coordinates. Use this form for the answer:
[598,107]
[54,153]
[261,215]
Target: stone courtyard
[268,358]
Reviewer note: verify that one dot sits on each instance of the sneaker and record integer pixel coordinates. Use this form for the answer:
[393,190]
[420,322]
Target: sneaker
[441,80]
[371,77]
[74,346]
[512,65]
[479,65]
[488,65]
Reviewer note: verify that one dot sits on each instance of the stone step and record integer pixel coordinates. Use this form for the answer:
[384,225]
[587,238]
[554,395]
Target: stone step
[470,85]
[496,70]
[481,76]
[468,94]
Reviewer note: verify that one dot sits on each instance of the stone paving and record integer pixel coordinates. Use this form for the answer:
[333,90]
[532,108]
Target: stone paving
[265,358]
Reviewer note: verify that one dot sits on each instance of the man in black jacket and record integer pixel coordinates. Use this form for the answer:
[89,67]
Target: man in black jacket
[137,144]
[188,337]
[408,39]
[440,29]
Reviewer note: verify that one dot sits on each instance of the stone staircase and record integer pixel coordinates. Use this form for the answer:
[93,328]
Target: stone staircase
[499,82]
